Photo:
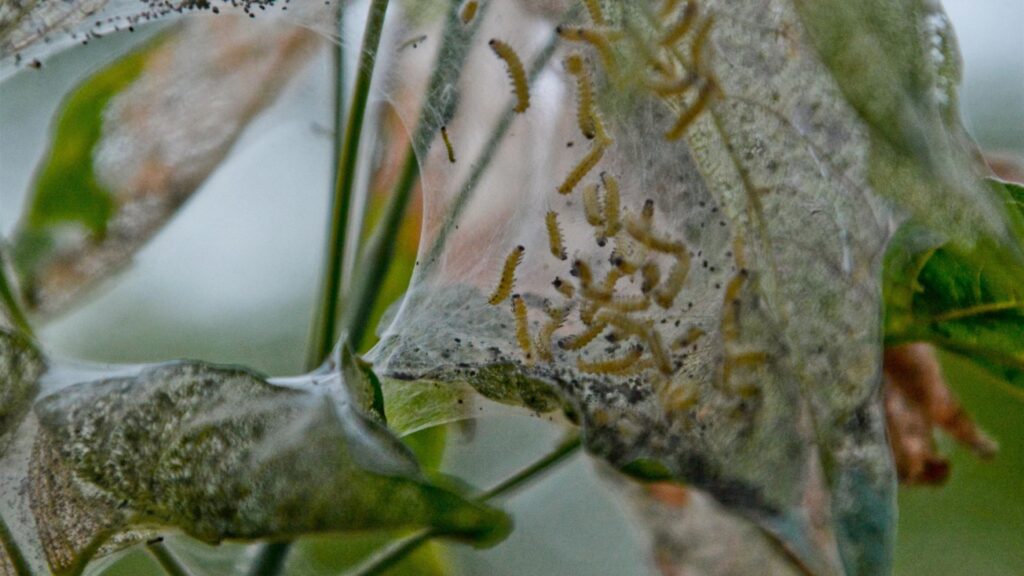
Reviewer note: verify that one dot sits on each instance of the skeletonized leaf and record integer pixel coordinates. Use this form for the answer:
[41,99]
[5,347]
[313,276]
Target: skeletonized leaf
[134,141]
[219,453]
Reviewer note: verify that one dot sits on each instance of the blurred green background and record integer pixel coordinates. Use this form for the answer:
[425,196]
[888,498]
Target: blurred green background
[237,285]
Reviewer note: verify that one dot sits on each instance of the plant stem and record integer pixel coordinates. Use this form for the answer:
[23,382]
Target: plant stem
[325,324]
[437,109]
[399,549]
[14,555]
[166,559]
[270,559]
[9,301]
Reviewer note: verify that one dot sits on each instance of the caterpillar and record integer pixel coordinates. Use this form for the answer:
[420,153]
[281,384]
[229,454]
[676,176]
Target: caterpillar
[555,235]
[682,26]
[666,294]
[448,144]
[628,255]
[587,312]
[564,288]
[580,340]
[595,11]
[641,231]
[700,40]
[583,168]
[651,275]
[626,324]
[611,279]
[686,118]
[557,320]
[673,396]
[629,304]
[508,276]
[667,8]
[520,85]
[614,366]
[586,110]
[730,304]
[647,212]
[612,225]
[596,39]
[689,338]
[522,325]
[592,208]
[658,352]
[469,11]
[581,270]
[673,86]
[414,42]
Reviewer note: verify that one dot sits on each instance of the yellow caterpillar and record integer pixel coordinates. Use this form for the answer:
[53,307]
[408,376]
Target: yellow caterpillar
[586,115]
[564,288]
[619,365]
[557,319]
[595,11]
[592,205]
[580,340]
[666,294]
[596,39]
[583,168]
[651,275]
[612,224]
[628,254]
[522,325]
[555,235]
[469,11]
[641,230]
[520,85]
[508,276]
[448,144]
[682,26]
[691,336]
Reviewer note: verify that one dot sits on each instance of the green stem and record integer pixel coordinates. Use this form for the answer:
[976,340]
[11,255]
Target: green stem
[325,324]
[438,107]
[10,302]
[166,559]
[398,550]
[7,543]
[270,559]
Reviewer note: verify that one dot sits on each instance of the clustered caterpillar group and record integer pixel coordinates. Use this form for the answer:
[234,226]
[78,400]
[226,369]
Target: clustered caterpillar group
[646,267]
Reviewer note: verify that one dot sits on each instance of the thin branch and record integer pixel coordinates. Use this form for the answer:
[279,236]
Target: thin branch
[388,557]
[159,551]
[325,324]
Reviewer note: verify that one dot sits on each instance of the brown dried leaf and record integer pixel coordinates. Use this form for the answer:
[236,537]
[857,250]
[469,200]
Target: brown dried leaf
[918,400]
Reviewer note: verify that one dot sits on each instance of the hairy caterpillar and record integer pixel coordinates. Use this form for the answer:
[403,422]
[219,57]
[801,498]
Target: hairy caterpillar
[674,86]
[448,144]
[658,352]
[731,305]
[555,235]
[614,366]
[564,288]
[651,275]
[640,229]
[612,225]
[596,39]
[586,115]
[666,294]
[595,11]
[522,325]
[667,8]
[520,85]
[580,340]
[689,338]
[628,254]
[557,320]
[414,42]
[469,11]
[629,304]
[700,40]
[682,26]
[643,329]
[583,168]
[675,396]
[707,89]
[581,270]
[508,276]
[592,208]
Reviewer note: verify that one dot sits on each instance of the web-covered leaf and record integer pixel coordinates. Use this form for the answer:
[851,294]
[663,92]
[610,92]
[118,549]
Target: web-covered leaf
[958,298]
[738,158]
[132,143]
[217,452]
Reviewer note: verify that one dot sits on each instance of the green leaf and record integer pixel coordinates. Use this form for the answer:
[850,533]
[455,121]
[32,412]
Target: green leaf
[221,453]
[958,298]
